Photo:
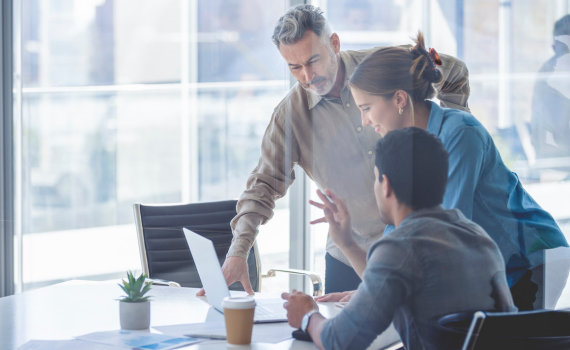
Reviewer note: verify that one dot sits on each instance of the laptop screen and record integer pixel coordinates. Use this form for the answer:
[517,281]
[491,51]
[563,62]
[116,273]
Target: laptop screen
[208,267]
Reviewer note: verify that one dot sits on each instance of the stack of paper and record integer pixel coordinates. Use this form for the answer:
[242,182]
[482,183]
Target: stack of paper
[64,345]
[263,333]
[138,340]
[113,340]
[173,337]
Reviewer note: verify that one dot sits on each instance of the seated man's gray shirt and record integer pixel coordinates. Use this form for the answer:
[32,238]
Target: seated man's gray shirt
[435,263]
[325,137]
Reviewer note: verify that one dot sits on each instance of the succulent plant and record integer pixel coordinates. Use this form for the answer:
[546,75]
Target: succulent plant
[135,289]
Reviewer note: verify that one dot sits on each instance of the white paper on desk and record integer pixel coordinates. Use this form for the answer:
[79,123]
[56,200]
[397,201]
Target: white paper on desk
[180,330]
[65,345]
[262,333]
[138,339]
[272,332]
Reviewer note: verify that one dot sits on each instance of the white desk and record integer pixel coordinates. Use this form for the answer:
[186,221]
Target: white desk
[73,308]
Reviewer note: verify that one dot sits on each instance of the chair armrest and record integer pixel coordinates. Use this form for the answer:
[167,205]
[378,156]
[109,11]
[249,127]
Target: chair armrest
[162,282]
[315,279]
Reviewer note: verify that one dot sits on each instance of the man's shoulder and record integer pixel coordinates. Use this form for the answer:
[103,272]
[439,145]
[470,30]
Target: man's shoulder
[408,232]
[428,222]
[358,56]
[422,226]
[295,102]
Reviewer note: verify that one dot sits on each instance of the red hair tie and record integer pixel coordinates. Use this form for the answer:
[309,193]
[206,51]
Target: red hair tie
[435,57]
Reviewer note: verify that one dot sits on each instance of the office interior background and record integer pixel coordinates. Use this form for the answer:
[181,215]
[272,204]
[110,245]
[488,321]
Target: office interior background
[123,101]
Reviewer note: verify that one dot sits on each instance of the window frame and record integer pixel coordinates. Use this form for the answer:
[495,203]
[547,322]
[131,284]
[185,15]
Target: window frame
[299,214]
[7,277]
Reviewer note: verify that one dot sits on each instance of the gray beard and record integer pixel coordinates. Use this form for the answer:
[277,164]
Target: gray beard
[331,77]
[332,74]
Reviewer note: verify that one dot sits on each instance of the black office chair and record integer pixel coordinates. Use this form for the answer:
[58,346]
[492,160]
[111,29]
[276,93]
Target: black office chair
[527,330]
[165,256]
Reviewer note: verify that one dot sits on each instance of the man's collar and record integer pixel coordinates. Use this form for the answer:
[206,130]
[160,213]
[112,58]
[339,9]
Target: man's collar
[313,98]
[435,119]
[349,68]
[423,212]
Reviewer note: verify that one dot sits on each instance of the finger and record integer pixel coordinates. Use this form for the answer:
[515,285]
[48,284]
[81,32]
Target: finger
[201,293]
[318,221]
[316,204]
[326,297]
[330,217]
[341,205]
[326,201]
[285,296]
[322,298]
[247,286]
[345,299]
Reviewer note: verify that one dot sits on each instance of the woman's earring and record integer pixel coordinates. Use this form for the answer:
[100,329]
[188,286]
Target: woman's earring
[401,110]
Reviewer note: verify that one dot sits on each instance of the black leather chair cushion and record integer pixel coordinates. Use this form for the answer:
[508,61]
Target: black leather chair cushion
[167,251]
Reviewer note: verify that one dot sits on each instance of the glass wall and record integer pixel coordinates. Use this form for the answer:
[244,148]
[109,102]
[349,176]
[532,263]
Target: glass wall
[520,94]
[519,78]
[126,101]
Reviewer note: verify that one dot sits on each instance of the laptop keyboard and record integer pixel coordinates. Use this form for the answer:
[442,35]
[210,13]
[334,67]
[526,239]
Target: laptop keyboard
[262,313]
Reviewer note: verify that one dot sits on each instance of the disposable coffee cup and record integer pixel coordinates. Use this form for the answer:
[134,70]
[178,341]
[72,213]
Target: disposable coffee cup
[238,313]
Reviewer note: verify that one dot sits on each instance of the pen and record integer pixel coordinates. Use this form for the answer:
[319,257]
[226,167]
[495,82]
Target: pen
[207,336]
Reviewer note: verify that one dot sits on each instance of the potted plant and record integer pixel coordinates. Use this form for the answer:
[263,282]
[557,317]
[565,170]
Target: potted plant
[134,308]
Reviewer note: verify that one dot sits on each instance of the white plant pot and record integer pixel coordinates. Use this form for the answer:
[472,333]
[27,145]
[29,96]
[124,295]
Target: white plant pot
[135,315]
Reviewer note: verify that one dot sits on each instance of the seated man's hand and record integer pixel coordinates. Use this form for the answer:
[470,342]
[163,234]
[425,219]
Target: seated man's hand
[235,269]
[298,305]
[338,217]
[342,297]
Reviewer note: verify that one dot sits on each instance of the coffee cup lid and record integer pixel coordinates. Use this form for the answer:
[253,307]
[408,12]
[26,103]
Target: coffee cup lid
[238,303]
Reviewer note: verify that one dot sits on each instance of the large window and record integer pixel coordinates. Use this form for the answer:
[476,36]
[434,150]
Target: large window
[125,101]
[520,94]
[519,78]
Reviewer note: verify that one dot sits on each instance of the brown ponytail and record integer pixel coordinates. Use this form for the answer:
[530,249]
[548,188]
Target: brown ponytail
[394,68]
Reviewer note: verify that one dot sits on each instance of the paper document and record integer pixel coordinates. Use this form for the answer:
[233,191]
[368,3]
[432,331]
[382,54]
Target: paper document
[65,345]
[138,339]
[262,332]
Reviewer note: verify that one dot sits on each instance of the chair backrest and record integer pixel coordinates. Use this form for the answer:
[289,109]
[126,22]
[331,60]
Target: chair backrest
[164,251]
[540,329]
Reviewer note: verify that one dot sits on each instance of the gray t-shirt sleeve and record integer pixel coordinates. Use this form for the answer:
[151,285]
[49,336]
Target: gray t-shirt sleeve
[387,282]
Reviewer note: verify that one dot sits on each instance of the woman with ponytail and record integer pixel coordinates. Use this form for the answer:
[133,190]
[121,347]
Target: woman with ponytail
[392,88]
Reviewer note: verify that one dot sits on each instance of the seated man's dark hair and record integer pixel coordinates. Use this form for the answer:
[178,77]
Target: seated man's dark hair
[416,164]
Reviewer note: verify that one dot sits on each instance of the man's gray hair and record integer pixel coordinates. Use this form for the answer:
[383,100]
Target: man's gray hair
[295,23]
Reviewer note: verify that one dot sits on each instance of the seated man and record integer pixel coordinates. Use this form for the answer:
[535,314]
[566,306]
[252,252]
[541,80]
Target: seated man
[434,263]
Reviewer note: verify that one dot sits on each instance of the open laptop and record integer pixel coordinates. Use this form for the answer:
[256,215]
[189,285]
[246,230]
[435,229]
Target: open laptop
[208,266]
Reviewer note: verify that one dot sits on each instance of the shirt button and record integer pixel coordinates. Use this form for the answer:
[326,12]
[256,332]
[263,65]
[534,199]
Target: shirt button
[370,153]
[348,104]
[359,128]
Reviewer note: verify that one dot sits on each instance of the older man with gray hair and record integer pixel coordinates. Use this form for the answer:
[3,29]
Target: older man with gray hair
[318,126]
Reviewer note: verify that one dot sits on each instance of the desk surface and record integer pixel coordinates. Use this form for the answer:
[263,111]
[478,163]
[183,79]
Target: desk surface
[73,308]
